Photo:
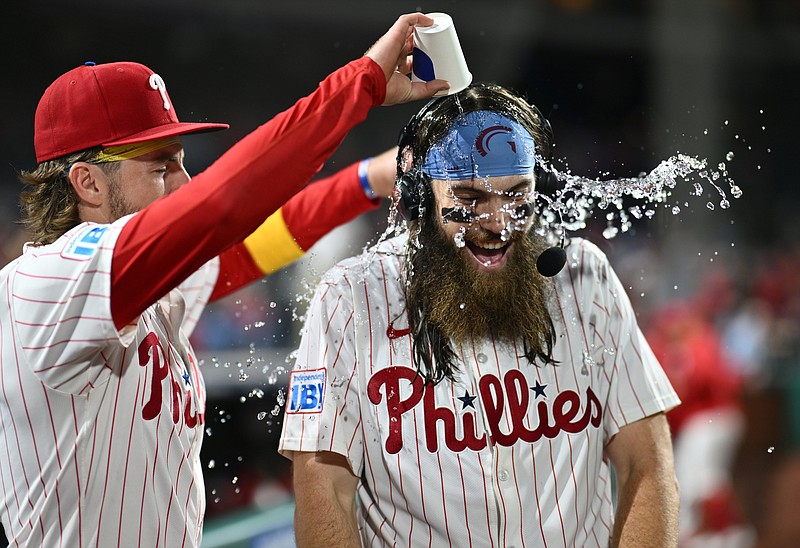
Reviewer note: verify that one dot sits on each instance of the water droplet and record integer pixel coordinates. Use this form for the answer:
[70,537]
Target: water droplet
[710,206]
[461,306]
[610,232]
[273,304]
[724,204]
[261,415]
[676,210]
[243,376]
[729,156]
[211,463]
[770,449]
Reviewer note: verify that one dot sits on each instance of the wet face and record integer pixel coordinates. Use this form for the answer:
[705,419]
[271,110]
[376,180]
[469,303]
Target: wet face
[486,214]
[141,181]
[490,285]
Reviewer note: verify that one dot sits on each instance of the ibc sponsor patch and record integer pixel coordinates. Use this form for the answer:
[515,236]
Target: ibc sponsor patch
[84,243]
[306,391]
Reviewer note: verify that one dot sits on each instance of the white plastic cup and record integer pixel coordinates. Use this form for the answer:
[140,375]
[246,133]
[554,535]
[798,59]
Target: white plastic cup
[437,55]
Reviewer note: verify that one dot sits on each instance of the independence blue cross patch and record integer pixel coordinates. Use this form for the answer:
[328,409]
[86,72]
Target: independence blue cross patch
[84,243]
[306,391]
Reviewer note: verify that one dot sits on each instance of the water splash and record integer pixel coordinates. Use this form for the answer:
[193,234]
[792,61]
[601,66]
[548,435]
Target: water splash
[578,198]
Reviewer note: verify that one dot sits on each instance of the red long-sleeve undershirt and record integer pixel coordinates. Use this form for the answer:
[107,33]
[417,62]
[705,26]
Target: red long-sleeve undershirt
[309,215]
[172,237]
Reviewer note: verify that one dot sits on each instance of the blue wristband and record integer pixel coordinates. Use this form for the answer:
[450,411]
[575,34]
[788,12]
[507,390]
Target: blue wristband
[364,180]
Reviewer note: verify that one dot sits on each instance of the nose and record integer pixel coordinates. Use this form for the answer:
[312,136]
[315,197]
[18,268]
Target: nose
[494,217]
[181,178]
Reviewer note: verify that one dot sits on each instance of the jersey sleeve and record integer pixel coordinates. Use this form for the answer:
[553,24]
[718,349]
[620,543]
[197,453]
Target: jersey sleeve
[639,387]
[174,236]
[322,405]
[63,321]
[291,231]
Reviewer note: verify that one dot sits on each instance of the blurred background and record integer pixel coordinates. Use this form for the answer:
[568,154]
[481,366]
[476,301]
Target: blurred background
[625,84]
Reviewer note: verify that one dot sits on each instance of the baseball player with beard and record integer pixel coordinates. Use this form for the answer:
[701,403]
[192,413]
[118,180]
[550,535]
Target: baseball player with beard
[447,394]
[101,399]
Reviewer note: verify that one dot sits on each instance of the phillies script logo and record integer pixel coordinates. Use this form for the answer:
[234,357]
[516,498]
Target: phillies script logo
[565,414]
[152,354]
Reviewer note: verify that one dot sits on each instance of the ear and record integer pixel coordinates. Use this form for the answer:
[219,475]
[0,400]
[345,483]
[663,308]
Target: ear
[89,183]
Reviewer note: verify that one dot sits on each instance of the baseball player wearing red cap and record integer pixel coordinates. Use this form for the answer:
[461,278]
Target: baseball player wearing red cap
[460,397]
[101,399]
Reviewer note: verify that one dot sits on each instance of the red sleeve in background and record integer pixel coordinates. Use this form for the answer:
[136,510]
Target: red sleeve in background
[171,238]
[236,269]
[308,216]
[326,204]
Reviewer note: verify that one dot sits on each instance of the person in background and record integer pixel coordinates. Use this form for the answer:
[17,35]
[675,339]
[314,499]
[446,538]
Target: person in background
[101,400]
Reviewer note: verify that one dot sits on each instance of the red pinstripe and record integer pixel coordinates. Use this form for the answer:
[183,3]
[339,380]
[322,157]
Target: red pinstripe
[30,426]
[60,322]
[58,459]
[422,491]
[61,278]
[497,463]
[486,500]
[586,346]
[464,496]
[536,492]
[555,482]
[66,341]
[333,314]
[144,492]
[64,301]
[14,427]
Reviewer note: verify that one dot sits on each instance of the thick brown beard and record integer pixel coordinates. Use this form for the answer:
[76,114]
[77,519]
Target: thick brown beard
[466,304]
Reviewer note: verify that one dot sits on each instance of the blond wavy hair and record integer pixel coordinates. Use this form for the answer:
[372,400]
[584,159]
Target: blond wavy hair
[49,203]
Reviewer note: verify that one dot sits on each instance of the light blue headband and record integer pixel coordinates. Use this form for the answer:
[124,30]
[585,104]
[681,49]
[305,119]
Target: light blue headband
[481,144]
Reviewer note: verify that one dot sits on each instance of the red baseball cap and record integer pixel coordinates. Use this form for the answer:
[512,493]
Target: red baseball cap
[106,105]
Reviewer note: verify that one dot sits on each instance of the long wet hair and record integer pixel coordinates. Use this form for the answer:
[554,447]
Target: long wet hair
[432,352]
[49,204]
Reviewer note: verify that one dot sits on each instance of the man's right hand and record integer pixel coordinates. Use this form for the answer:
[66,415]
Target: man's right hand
[392,52]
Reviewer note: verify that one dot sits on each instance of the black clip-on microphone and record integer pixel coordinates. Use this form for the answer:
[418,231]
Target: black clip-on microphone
[551,260]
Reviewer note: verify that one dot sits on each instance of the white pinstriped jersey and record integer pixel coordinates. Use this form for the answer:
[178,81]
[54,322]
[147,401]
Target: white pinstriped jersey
[511,454]
[100,430]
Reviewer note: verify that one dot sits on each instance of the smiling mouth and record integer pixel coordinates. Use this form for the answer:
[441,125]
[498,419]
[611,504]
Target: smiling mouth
[489,255]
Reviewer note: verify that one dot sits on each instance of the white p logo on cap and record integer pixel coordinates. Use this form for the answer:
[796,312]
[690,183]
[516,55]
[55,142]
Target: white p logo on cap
[157,83]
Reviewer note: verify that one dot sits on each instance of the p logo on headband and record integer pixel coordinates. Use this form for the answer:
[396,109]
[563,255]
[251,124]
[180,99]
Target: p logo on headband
[481,144]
